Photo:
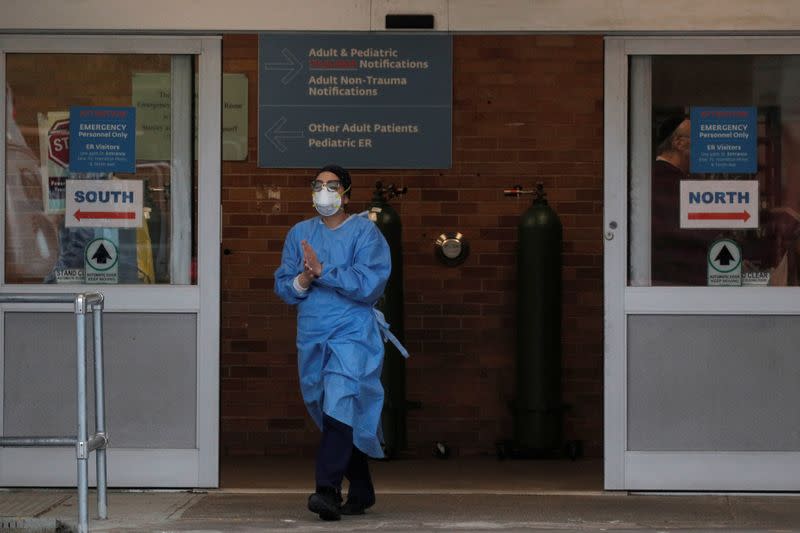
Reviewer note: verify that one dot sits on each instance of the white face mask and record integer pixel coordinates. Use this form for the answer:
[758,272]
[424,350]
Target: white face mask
[326,203]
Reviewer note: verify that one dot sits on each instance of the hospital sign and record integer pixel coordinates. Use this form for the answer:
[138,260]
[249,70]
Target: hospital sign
[724,140]
[722,204]
[102,139]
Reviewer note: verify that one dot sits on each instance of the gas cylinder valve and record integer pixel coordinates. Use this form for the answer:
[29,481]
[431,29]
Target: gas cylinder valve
[518,191]
[388,192]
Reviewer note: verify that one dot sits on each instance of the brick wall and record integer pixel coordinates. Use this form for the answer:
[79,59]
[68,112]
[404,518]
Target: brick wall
[525,109]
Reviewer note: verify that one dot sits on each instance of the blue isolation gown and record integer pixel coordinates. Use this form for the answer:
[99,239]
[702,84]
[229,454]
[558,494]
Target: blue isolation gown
[339,334]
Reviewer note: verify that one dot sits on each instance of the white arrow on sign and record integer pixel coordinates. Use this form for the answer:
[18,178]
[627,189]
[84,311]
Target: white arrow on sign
[292,64]
[275,134]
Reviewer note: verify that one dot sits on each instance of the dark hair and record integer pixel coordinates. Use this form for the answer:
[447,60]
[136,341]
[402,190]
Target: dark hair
[341,173]
[665,132]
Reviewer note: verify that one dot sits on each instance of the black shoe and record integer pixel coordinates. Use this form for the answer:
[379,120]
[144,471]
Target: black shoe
[325,502]
[355,506]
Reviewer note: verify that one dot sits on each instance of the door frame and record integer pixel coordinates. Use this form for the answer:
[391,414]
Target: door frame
[197,467]
[635,470]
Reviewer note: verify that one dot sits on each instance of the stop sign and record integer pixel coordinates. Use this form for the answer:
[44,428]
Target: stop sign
[58,143]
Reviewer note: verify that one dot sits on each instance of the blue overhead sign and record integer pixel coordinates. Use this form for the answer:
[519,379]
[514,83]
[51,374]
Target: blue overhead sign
[358,100]
[102,139]
[724,140]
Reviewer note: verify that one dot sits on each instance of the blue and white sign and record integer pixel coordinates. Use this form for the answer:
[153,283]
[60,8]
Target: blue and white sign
[723,204]
[724,140]
[359,100]
[102,139]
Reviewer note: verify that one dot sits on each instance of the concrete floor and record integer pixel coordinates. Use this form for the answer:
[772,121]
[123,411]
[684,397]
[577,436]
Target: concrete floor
[462,494]
[480,474]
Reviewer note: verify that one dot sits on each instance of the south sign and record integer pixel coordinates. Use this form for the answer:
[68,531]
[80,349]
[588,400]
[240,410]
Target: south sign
[104,203]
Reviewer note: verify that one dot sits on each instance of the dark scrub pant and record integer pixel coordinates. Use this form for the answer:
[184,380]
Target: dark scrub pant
[338,458]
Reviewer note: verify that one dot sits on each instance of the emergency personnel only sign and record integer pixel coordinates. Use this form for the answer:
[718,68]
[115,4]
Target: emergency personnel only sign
[104,203]
[724,204]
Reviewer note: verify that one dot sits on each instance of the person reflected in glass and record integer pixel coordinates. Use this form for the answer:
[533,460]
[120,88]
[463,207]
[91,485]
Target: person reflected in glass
[334,267]
[679,256]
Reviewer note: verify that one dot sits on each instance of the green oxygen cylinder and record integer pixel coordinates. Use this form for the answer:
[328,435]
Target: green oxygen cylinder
[538,404]
[393,376]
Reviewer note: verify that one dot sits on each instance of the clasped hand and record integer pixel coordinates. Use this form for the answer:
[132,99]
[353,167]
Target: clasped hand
[312,268]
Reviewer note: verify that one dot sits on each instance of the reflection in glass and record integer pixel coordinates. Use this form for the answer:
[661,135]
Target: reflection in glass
[40,90]
[660,147]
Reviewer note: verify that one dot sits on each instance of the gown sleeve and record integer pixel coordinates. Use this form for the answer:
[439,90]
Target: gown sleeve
[366,278]
[291,266]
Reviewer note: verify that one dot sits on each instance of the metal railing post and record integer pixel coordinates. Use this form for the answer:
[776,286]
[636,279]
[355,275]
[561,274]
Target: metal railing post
[83,444]
[100,413]
[83,435]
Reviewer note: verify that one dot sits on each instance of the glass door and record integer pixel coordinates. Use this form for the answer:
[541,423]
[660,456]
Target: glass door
[702,228]
[111,178]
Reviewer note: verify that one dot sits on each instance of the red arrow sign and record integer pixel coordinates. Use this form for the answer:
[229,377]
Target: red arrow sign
[108,215]
[744,216]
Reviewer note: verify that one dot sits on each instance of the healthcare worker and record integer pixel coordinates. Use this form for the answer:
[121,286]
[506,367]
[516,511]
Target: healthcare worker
[334,267]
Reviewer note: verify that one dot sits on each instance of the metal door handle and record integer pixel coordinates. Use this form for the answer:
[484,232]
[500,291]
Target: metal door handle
[610,233]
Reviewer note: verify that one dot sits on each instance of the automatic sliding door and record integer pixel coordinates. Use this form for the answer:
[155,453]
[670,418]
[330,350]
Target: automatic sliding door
[703,306]
[104,191]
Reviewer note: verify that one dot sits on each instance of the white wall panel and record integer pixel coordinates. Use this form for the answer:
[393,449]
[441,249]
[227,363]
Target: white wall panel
[623,15]
[363,15]
[189,15]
